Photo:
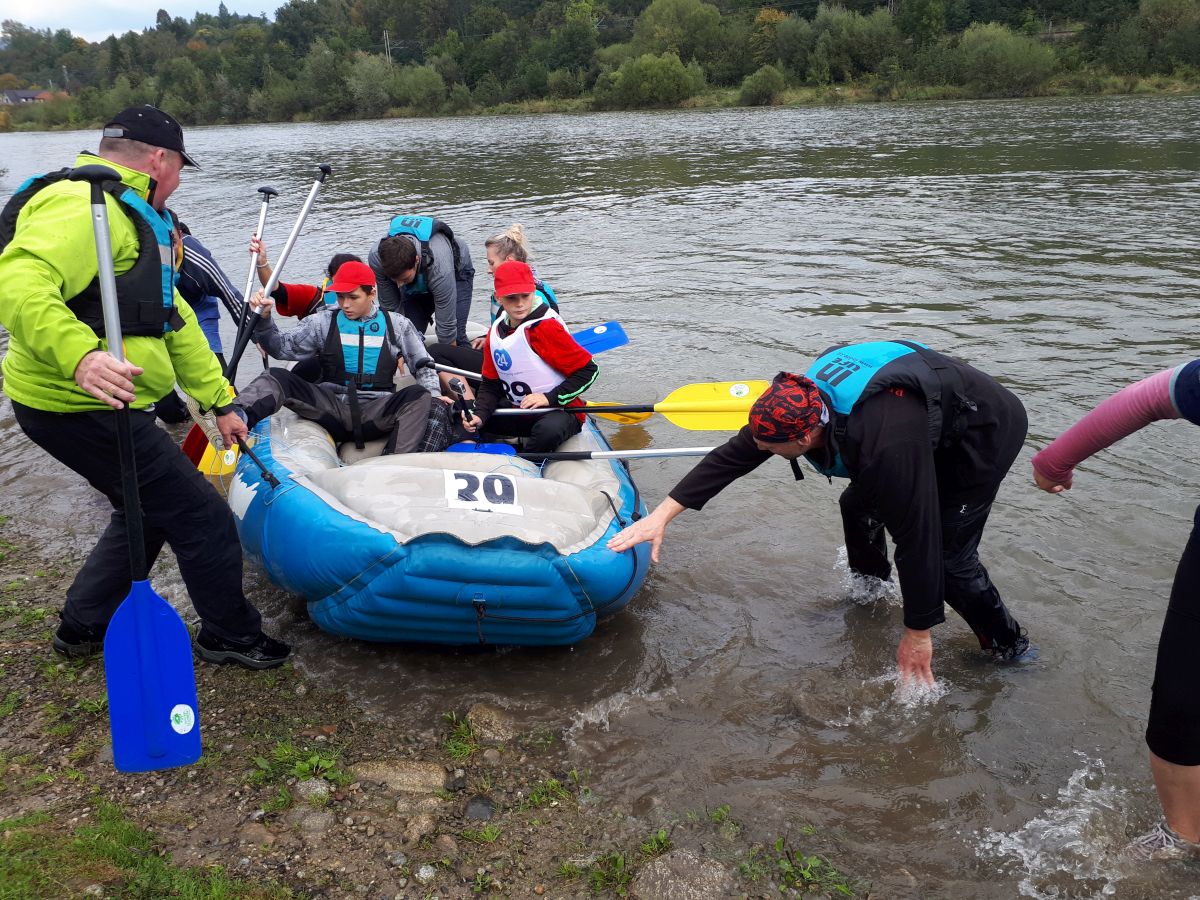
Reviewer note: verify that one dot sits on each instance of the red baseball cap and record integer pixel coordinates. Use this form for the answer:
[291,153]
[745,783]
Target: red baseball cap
[514,277]
[351,275]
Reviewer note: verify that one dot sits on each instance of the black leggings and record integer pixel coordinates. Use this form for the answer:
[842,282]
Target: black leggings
[968,588]
[179,508]
[1173,732]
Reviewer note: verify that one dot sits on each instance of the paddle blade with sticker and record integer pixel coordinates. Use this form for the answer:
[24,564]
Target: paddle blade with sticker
[599,338]
[151,685]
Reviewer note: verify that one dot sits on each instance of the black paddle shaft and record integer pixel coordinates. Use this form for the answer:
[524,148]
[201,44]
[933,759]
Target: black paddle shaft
[96,176]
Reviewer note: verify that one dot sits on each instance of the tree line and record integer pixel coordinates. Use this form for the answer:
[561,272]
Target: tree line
[334,59]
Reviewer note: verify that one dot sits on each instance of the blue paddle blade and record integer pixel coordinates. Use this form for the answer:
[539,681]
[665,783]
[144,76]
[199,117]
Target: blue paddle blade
[151,685]
[601,337]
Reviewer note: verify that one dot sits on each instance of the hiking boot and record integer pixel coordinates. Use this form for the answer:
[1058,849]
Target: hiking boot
[262,653]
[75,643]
[1020,652]
[1160,842]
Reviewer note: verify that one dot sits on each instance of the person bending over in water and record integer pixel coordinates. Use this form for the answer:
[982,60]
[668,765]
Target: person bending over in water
[925,441]
[359,346]
[1173,732]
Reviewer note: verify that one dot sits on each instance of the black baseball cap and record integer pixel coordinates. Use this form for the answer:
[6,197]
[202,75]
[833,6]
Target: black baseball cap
[150,125]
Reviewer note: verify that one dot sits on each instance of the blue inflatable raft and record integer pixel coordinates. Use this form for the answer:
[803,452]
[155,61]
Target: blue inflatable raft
[441,548]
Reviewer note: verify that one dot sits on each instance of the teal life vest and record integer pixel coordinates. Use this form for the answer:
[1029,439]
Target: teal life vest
[146,292]
[358,353]
[423,228]
[849,374]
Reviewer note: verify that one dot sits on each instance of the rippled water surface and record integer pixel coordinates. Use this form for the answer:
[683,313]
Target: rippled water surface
[1052,244]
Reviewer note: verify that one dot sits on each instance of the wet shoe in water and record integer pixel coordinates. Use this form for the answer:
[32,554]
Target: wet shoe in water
[1020,652]
[75,644]
[1160,842]
[262,653]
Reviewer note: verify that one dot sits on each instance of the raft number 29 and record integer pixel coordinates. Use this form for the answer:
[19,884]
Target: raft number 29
[489,493]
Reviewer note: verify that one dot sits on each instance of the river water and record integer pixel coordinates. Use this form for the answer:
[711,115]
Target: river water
[1051,243]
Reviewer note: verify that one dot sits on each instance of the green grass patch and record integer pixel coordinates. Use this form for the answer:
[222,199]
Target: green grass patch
[39,858]
[287,761]
[9,704]
[658,843]
[461,743]
[546,793]
[485,835]
[609,873]
[794,870]
[720,814]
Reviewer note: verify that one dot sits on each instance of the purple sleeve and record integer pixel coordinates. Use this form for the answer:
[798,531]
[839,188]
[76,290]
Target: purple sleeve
[1129,410]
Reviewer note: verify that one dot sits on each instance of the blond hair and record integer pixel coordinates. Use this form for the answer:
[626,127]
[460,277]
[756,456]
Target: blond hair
[511,243]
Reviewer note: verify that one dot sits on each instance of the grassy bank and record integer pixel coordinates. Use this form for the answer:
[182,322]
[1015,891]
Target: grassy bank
[871,90]
[301,793]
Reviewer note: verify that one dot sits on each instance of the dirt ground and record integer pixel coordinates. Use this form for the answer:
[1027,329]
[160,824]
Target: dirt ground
[301,793]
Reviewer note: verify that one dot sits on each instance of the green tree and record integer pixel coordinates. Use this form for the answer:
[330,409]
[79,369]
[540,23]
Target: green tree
[690,29]
[922,21]
[421,88]
[794,41]
[322,82]
[999,63]
[764,41]
[371,81]
[649,80]
[762,88]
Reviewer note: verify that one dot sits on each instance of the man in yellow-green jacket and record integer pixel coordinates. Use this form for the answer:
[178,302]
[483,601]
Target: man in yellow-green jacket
[63,383]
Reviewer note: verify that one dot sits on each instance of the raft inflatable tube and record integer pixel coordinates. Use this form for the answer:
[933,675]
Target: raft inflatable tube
[440,548]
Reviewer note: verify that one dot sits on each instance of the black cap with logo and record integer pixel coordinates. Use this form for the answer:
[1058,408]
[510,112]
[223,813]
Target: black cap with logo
[150,125]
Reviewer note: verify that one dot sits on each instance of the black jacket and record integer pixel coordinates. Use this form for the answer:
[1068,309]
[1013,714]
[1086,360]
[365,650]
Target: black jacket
[896,470]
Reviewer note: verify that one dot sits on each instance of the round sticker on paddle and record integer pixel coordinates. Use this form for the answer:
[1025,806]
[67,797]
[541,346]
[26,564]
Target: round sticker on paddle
[739,390]
[183,719]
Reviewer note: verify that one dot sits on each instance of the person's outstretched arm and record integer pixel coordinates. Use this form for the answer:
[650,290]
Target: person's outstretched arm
[719,469]
[1170,394]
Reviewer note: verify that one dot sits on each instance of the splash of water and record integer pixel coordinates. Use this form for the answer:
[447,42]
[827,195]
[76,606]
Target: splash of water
[1069,850]
[864,589]
[908,697]
[601,713]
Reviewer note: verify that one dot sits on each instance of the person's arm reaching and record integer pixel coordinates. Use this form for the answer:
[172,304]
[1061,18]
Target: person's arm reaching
[440,280]
[416,357]
[389,294]
[1129,410]
[720,468]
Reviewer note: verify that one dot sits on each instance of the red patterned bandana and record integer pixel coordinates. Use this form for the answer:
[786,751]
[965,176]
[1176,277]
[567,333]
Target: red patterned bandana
[787,411]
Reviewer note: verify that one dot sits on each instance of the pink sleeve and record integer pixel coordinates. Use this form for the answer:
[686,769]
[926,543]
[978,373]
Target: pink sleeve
[1130,409]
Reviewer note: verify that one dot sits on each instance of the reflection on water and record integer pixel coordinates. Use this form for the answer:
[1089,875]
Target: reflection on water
[1045,242]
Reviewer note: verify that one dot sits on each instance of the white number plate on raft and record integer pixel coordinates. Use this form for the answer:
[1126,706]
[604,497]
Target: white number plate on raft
[487,493]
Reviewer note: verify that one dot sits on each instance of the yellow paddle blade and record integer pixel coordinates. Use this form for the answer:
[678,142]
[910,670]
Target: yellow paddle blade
[711,406]
[624,418]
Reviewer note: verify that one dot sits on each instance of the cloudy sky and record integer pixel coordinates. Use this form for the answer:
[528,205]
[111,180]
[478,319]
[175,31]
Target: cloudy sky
[97,19]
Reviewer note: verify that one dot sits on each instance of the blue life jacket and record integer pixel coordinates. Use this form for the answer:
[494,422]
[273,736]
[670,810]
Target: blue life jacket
[146,292]
[543,290]
[423,228]
[849,374]
[358,353]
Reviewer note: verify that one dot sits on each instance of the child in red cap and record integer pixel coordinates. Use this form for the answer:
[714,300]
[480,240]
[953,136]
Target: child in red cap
[531,361]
